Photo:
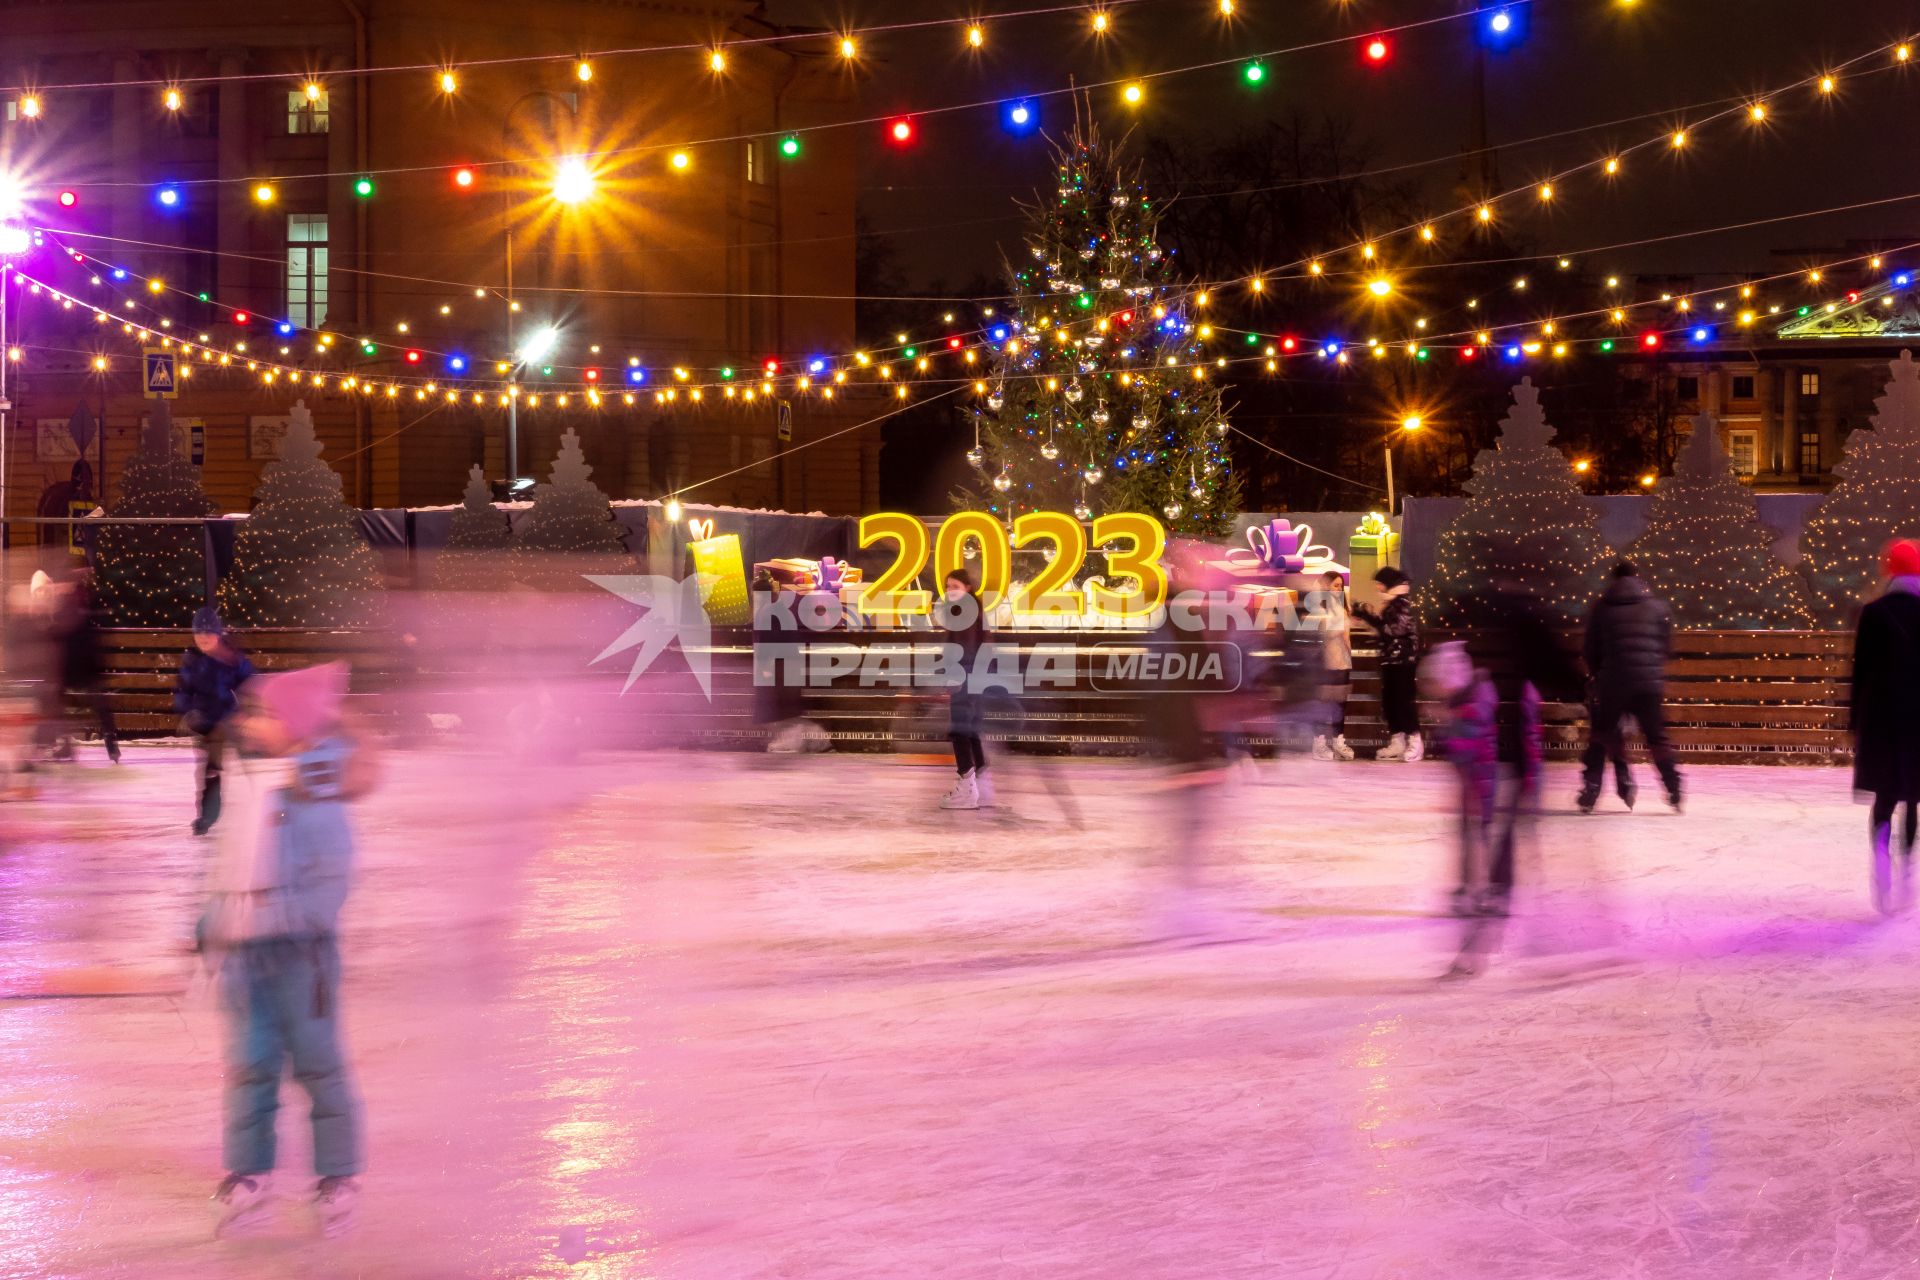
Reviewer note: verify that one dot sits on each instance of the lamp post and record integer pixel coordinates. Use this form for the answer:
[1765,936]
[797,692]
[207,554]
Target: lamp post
[1412,422]
[14,241]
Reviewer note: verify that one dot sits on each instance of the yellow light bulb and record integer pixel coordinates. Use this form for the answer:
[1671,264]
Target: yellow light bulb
[848,49]
[976,35]
[1757,112]
[1827,84]
[1133,93]
[1546,191]
[1486,213]
[312,91]
[1380,286]
[30,106]
[1426,232]
[1314,268]
[716,61]
[172,99]
[1100,22]
[583,70]
[1613,164]
[1679,139]
[448,82]
[681,161]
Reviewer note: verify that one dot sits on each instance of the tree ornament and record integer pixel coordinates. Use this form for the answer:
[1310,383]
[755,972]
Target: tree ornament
[1086,255]
[1141,422]
[1081,511]
[1093,474]
[1075,393]
[1100,415]
[1220,428]
[976,457]
[1049,451]
[1003,481]
[996,401]
[1173,510]
[1119,199]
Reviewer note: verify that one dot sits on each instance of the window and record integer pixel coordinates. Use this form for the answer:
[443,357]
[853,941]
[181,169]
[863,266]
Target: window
[1810,450]
[1743,450]
[756,161]
[304,114]
[307,269]
[1687,387]
[1743,386]
[1809,384]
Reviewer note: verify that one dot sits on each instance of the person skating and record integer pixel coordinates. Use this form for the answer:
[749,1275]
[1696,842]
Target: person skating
[269,932]
[1399,634]
[205,696]
[1884,718]
[1469,740]
[1628,642]
[74,624]
[963,617]
[1327,613]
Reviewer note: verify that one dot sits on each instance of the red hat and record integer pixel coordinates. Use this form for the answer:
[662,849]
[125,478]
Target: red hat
[1902,559]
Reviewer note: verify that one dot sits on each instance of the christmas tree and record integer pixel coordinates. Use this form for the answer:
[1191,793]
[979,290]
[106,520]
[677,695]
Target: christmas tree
[154,575]
[1706,553]
[1877,499]
[474,555]
[570,531]
[298,561]
[1525,519]
[1100,397]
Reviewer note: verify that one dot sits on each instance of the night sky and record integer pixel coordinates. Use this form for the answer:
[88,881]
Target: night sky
[946,202]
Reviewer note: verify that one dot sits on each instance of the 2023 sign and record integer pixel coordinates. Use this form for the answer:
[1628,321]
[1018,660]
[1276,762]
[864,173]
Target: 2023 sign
[1143,542]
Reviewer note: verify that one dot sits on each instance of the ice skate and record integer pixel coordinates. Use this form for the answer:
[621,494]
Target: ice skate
[1416,749]
[1460,903]
[1322,750]
[1883,900]
[983,789]
[241,1201]
[335,1201]
[1396,748]
[1673,797]
[964,794]
[1341,751]
[1589,797]
[1629,793]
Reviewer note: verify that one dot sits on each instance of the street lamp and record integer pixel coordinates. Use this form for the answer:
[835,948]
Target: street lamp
[1411,423]
[15,240]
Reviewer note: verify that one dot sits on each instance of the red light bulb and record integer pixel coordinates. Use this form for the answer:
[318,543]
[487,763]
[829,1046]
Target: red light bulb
[1377,50]
[901,131]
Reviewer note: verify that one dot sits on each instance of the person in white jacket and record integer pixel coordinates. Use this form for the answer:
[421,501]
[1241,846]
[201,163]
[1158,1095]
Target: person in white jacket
[1327,614]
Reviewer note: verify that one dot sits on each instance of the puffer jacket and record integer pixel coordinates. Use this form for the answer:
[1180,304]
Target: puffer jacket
[1399,629]
[1629,638]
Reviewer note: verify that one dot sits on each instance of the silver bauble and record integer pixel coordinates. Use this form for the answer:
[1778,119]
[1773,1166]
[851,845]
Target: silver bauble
[1003,482]
[1092,474]
[1141,422]
[1074,393]
[1173,510]
[976,456]
[1101,417]
[1081,511]
[995,402]
[1049,451]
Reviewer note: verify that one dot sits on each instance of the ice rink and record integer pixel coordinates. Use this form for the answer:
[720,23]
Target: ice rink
[710,1017]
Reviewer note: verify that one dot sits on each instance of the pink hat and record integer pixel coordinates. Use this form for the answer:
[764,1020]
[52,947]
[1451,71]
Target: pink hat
[1902,559]
[305,701]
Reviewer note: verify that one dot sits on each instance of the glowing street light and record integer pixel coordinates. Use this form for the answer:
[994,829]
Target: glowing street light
[14,239]
[1412,422]
[539,344]
[572,182]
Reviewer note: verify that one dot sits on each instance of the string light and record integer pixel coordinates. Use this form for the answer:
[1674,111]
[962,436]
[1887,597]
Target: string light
[1100,22]
[1679,138]
[1827,84]
[717,61]
[313,91]
[264,194]
[849,49]
[680,161]
[1133,94]
[449,83]
[1757,112]
[583,71]
[1376,50]
[976,35]
[172,100]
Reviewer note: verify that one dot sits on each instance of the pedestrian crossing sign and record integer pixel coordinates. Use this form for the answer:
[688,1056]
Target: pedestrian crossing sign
[161,379]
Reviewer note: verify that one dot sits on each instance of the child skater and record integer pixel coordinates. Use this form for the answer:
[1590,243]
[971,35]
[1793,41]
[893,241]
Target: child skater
[205,696]
[1327,611]
[1884,716]
[963,616]
[280,877]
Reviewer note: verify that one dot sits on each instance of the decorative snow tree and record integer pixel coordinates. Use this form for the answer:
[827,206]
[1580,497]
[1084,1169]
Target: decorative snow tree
[1525,519]
[1100,398]
[298,561]
[474,556]
[571,530]
[1877,499]
[154,575]
[1707,554]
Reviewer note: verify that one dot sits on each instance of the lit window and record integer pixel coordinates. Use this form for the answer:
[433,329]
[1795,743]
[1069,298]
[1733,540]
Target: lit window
[1809,384]
[307,269]
[756,161]
[304,114]
[1743,451]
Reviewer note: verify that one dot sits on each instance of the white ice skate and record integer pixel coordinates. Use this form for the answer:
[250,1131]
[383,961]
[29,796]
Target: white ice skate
[1396,748]
[1341,751]
[335,1202]
[1416,749]
[1322,750]
[241,1201]
[964,794]
[983,788]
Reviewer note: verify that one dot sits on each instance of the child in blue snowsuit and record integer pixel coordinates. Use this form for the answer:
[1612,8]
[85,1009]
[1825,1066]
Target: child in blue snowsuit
[271,927]
[206,693]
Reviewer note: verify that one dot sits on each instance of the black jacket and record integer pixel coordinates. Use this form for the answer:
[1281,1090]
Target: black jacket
[1514,643]
[1629,639]
[1884,710]
[1399,630]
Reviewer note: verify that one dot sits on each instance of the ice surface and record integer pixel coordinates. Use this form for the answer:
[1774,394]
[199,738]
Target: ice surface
[697,1016]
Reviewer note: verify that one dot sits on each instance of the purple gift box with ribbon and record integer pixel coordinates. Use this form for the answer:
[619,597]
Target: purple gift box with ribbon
[1279,546]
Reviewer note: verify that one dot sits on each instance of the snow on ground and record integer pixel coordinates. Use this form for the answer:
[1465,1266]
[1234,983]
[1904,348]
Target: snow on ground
[708,1017]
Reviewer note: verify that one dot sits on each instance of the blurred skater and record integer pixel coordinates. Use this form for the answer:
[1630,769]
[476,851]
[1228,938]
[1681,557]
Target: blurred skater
[205,696]
[962,616]
[279,880]
[1469,739]
[73,624]
[1327,615]
[1629,639]
[778,706]
[1884,718]
[1399,634]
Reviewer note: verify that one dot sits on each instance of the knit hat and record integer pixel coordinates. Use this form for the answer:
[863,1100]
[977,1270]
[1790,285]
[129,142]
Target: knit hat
[1389,577]
[304,701]
[206,621]
[1902,558]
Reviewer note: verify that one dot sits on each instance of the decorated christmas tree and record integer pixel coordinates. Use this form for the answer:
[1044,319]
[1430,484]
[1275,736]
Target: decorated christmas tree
[154,575]
[1877,499]
[298,561]
[1525,519]
[474,557]
[571,530]
[1100,397]
[1706,553]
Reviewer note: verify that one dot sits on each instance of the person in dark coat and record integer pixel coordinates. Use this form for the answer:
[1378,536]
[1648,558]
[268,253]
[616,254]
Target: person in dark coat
[1629,639]
[75,629]
[206,693]
[962,616]
[1884,718]
[1399,656]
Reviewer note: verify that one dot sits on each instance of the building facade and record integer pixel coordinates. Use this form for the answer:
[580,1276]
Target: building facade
[298,186]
